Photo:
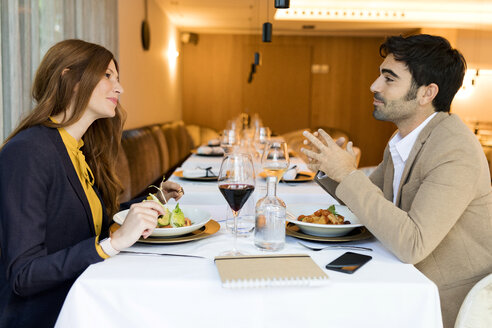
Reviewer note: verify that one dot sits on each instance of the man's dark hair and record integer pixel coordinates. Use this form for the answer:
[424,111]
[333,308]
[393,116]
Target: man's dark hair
[430,59]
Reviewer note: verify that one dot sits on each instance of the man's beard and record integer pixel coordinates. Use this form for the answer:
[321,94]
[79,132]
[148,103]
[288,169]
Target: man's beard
[398,108]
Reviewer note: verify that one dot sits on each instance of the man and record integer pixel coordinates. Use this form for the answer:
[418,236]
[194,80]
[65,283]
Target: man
[429,201]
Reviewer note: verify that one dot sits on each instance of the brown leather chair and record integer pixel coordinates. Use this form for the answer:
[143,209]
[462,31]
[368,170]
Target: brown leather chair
[172,143]
[200,135]
[185,143]
[123,173]
[144,158]
[160,139]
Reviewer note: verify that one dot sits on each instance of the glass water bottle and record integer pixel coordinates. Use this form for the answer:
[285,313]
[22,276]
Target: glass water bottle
[270,219]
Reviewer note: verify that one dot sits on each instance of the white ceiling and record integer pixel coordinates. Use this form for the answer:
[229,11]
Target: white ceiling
[247,16]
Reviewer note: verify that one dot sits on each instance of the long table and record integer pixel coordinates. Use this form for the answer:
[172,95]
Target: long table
[156,291]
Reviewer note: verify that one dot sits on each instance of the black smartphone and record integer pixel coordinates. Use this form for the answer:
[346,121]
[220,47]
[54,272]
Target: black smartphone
[348,262]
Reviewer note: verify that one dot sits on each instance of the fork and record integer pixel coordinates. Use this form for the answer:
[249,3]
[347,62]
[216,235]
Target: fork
[360,248]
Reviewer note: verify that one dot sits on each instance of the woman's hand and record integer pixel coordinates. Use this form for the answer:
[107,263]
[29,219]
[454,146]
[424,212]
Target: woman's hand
[170,190]
[140,221]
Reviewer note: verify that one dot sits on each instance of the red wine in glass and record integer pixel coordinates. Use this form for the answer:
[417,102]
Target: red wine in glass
[236,194]
[236,183]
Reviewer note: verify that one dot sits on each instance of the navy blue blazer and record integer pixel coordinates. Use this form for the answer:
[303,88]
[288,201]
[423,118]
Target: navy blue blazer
[47,235]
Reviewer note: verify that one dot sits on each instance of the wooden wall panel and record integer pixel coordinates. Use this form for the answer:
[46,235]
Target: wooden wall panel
[215,88]
[151,87]
[280,90]
[212,80]
[342,99]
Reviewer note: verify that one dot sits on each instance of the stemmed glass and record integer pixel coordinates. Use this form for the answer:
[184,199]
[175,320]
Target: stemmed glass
[275,159]
[236,183]
[229,140]
[261,138]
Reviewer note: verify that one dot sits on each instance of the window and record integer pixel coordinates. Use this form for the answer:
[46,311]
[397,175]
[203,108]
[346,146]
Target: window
[29,28]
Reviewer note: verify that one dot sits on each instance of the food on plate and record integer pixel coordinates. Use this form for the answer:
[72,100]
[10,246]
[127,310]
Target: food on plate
[174,219]
[321,216]
[164,220]
[170,219]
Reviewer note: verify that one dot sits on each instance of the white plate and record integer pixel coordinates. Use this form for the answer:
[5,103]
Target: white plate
[323,230]
[197,216]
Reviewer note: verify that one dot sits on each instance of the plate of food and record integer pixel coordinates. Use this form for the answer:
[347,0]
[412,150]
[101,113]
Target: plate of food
[359,233]
[323,221]
[178,220]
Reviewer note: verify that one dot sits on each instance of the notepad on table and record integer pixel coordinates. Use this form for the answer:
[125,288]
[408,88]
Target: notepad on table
[269,270]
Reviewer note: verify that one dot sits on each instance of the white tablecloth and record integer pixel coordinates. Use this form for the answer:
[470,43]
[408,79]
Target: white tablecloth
[157,291]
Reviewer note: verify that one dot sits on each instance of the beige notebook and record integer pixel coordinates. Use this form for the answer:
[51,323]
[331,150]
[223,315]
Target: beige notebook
[269,270]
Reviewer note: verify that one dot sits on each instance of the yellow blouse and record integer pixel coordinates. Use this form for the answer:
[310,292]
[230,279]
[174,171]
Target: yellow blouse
[87,180]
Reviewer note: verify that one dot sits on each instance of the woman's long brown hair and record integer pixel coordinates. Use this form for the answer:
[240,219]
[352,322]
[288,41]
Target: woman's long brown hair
[67,76]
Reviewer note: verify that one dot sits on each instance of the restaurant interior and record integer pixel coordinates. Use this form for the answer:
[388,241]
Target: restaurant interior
[314,72]
[191,69]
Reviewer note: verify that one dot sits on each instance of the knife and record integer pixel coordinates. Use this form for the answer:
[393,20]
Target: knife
[162,254]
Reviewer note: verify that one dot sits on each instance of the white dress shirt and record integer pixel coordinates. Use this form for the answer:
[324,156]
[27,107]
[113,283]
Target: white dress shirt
[400,150]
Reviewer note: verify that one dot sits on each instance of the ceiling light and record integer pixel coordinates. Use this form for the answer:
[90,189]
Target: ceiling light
[388,11]
[267,32]
[284,4]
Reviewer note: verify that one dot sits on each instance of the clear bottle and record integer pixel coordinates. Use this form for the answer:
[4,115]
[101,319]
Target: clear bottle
[270,219]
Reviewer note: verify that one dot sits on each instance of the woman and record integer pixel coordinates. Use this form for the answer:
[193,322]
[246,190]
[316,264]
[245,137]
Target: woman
[56,200]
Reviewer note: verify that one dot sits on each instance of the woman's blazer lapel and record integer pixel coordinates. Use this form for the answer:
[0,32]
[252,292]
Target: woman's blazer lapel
[72,176]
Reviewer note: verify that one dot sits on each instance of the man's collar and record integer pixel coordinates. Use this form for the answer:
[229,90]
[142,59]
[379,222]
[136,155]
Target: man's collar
[404,145]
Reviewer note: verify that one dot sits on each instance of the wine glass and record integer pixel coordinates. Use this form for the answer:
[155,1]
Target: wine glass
[261,138]
[256,122]
[229,140]
[275,159]
[236,183]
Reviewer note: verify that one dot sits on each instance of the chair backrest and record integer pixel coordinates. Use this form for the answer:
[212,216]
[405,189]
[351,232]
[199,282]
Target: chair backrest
[123,173]
[476,310]
[201,135]
[172,143]
[185,143]
[142,153]
[160,139]
[194,132]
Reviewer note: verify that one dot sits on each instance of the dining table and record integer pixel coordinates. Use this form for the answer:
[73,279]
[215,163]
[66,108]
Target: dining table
[147,290]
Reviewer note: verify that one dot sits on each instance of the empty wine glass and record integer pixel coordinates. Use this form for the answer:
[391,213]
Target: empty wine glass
[229,140]
[234,124]
[275,159]
[236,183]
[261,138]
[256,122]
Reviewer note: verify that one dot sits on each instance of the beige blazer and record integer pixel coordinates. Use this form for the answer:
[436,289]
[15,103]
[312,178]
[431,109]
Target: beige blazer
[442,221]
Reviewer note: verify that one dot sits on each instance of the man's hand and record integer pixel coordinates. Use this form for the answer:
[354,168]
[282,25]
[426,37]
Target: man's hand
[314,165]
[328,156]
